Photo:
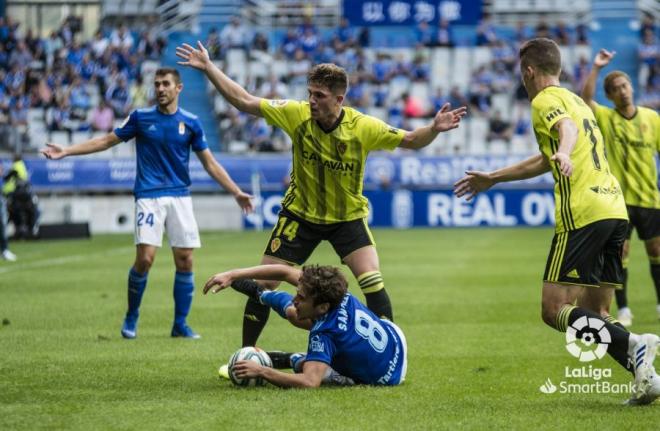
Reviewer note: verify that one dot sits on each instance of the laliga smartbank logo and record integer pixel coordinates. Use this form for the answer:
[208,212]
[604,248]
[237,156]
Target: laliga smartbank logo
[587,340]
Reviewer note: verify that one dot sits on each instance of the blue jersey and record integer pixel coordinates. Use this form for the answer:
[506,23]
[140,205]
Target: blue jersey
[162,144]
[357,344]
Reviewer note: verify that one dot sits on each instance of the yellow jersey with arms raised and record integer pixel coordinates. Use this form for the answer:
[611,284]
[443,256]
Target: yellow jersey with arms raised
[591,193]
[632,145]
[328,166]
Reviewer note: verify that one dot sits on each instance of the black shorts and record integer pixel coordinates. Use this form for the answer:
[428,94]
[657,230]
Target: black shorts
[293,239]
[589,256]
[645,220]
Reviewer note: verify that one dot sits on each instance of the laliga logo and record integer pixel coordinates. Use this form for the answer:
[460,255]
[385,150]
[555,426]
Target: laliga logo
[587,339]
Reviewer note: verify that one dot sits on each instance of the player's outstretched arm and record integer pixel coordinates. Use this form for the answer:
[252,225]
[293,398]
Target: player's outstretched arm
[311,377]
[220,175]
[475,182]
[94,145]
[602,59]
[236,95]
[262,272]
[443,121]
[568,134]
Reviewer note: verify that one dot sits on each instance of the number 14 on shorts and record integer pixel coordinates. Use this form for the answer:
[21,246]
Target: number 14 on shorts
[142,220]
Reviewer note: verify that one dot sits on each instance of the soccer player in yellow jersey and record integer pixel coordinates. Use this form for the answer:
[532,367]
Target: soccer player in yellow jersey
[632,140]
[584,264]
[324,200]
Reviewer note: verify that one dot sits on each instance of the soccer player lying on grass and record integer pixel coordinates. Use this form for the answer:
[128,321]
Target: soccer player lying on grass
[347,342]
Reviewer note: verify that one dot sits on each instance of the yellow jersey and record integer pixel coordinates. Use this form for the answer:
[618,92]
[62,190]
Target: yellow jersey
[328,166]
[632,145]
[591,193]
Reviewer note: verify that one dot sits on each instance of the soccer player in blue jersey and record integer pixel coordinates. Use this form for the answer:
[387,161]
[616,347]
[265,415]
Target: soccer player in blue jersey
[164,135]
[347,342]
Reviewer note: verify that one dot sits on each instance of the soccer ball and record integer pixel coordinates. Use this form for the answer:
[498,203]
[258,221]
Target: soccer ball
[250,354]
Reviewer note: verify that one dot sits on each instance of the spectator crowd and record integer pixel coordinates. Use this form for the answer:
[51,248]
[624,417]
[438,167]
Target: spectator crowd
[71,83]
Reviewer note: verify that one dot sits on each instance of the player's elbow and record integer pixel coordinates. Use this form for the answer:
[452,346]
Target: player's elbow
[249,104]
[108,141]
[567,128]
[310,383]
[409,141]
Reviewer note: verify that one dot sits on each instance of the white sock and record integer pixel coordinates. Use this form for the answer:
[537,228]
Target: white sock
[632,342]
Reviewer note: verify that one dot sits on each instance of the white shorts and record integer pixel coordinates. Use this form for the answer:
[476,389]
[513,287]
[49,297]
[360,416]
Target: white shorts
[174,213]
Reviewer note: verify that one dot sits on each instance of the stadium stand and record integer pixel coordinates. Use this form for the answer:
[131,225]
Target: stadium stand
[61,86]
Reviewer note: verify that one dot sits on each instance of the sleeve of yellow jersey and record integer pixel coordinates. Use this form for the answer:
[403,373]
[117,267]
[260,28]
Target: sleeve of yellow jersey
[285,114]
[378,135]
[600,112]
[549,109]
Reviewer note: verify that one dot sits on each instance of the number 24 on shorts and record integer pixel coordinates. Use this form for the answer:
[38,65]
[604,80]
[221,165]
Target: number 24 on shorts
[288,229]
[149,219]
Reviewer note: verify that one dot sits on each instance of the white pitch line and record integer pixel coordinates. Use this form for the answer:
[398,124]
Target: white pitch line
[13,267]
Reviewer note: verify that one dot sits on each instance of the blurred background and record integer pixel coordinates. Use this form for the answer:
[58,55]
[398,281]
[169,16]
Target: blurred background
[71,70]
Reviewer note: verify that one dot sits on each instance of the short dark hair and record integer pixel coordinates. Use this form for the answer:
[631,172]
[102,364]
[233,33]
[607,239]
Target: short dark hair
[169,71]
[542,54]
[324,284]
[610,77]
[330,76]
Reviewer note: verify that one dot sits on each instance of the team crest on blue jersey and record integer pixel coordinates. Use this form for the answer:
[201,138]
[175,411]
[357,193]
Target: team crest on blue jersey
[182,128]
[315,344]
[275,244]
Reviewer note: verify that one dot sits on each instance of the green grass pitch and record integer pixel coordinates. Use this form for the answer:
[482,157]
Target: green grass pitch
[467,299]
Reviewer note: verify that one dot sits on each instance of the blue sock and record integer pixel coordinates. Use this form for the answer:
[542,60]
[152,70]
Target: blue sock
[184,286]
[278,301]
[136,284]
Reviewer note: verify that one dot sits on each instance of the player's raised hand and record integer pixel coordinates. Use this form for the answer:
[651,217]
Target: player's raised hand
[221,280]
[194,57]
[565,164]
[603,58]
[446,120]
[244,201]
[53,151]
[472,183]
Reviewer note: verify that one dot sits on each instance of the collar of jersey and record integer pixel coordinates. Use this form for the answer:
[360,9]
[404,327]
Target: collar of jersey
[624,117]
[165,114]
[334,126]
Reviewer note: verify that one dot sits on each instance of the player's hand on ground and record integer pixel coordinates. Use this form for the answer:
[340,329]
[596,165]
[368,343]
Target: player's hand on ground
[603,58]
[472,183]
[221,281]
[244,201]
[246,369]
[53,151]
[194,57]
[565,164]
[446,120]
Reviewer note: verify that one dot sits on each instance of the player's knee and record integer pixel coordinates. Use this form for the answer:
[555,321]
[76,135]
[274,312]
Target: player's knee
[184,263]
[653,251]
[143,263]
[549,312]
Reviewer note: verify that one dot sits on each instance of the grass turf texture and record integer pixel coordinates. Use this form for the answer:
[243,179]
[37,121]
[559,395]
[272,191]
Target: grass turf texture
[467,299]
